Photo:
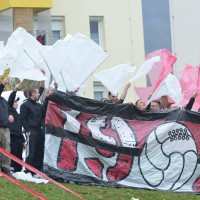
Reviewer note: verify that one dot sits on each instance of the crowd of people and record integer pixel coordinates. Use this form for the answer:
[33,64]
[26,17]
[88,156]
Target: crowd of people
[161,104]
[32,120]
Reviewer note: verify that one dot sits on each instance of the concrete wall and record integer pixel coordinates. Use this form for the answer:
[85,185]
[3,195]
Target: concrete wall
[23,17]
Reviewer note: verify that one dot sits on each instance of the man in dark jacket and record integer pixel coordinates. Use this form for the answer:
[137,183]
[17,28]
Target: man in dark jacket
[5,118]
[17,139]
[114,99]
[32,115]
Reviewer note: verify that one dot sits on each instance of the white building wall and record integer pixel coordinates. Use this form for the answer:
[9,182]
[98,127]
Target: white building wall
[185,32]
[122,28]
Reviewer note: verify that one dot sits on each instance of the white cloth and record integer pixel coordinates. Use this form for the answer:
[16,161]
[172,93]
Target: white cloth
[170,87]
[113,78]
[77,57]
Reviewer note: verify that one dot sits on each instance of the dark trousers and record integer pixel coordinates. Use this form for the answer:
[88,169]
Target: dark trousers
[16,149]
[35,149]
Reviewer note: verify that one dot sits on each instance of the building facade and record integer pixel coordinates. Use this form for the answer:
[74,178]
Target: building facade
[116,27]
[20,13]
[185,32]
[174,25]
[126,30]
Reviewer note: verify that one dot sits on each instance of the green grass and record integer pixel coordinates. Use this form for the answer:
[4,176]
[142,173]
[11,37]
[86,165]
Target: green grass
[9,191]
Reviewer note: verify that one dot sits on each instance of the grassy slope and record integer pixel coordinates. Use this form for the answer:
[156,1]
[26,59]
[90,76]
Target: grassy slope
[10,191]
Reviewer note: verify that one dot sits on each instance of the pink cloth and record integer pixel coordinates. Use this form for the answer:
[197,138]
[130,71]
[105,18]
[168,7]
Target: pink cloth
[190,83]
[158,72]
[144,92]
[160,69]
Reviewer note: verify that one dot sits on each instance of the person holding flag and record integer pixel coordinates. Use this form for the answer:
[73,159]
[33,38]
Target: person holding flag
[114,99]
[17,140]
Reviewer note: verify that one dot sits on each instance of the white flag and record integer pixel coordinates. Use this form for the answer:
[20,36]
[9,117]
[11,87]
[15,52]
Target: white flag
[170,86]
[5,58]
[22,62]
[145,68]
[113,78]
[22,72]
[75,57]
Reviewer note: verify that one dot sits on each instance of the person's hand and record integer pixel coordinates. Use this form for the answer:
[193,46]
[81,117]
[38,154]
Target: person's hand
[10,118]
[5,81]
[195,94]
[43,71]
[128,85]
[17,86]
[50,91]
[77,89]
[56,85]
[24,145]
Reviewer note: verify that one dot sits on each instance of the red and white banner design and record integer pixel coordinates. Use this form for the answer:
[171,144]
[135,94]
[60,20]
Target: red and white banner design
[124,147]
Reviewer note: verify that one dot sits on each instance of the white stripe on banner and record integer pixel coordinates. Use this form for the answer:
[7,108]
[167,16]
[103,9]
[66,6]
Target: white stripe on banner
[71,124]
[52,145]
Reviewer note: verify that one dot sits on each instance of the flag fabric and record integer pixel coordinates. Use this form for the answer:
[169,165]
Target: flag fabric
[77,57]
[145,68]
[5,59]
[170,87]
[117,74]
[190,84]
[21,63]
[144,92]
[159,70]
[99,143]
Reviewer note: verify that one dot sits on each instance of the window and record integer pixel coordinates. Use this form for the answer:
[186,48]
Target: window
[99,91]
[57,28]
[50,34]
[56,35]
[96,30]
[41,36]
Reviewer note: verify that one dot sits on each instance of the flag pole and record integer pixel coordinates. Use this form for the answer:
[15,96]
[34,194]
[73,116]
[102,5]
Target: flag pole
[63,80]
[47,66]
[32,59]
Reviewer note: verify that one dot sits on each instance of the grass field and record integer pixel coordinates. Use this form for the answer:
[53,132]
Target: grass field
[9,191]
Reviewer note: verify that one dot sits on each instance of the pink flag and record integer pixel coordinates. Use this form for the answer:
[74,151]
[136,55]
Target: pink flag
[158,72]
[161,69]
[144,92]
[190,83]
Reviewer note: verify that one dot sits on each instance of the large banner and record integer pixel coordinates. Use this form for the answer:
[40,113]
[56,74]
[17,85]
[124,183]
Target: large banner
[93,142]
